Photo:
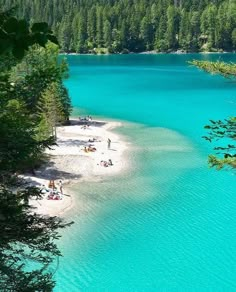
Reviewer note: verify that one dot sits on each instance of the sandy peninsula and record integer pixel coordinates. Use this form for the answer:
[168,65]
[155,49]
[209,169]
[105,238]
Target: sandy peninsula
[72,162]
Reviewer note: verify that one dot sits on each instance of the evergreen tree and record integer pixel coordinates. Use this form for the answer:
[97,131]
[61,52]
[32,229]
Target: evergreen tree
[26,237]
[234,38]
[121,25]
[171,28]
[107,34]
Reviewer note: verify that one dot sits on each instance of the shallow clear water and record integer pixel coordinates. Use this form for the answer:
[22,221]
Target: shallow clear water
[169,222]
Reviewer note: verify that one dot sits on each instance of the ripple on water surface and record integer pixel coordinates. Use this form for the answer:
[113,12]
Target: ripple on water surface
[163,223]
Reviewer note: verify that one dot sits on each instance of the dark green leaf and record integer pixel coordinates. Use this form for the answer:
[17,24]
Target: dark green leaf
[18,52]
[40,27]
[41,39]
[23,27]
[11,25]
[5,45]
[52,38]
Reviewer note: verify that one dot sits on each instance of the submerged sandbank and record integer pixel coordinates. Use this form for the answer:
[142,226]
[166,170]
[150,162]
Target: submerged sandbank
[71,163]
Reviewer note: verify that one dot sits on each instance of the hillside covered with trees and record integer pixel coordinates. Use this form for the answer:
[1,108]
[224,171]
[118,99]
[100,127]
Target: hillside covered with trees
[135,25]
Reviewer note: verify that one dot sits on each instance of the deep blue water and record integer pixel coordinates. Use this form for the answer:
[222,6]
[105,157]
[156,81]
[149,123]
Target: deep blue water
[168,223]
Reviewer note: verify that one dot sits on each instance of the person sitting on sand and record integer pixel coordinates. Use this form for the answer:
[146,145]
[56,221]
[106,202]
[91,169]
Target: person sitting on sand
[91,149]
[54,195]
[43,189]
[50,196]
[83,119]
[93,140]
[104,163]
[57,197]
[85,127]
[110,162]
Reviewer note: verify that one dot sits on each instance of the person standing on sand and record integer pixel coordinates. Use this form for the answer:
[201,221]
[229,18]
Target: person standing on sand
[108,143]
[51,184]
[60,187]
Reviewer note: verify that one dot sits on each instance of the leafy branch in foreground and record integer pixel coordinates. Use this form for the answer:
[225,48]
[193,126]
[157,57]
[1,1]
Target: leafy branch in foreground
[223,131]
[16,36]
[27,239]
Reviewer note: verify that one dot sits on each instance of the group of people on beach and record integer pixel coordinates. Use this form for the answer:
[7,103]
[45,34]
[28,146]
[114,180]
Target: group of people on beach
[91,148]
[106,163]
[85,119]
[92,140]
[85,127]
[52,191]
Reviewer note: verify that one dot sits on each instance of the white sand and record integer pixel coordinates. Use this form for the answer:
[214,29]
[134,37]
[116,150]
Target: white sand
[71,164]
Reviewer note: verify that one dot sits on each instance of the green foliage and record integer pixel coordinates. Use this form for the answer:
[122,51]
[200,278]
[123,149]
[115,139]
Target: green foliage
[28,74]
[19,149]
[39,69]
[16,36]
[234,38]
[225,69]
[221,132]
[25,237]
[52,109]
[140,25]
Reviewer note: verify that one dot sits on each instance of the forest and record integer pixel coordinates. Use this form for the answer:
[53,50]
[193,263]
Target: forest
[123,26]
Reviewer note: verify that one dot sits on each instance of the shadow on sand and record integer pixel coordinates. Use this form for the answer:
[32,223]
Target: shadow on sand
[50,172]
[74,122]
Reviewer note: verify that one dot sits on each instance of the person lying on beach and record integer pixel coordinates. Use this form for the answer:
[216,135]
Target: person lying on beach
[83,119]
[54,196]
[88,118]
[89,149]
[94,140]
[104,163]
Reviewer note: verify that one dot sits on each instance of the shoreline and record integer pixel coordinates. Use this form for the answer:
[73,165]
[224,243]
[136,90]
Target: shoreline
[148,53]
[69,162]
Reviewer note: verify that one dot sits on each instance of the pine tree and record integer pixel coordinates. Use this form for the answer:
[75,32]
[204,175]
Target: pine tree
[107,34]
[81,26]
[171,28]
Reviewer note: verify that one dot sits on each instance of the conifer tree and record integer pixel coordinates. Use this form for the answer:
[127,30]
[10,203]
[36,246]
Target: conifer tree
[165,25]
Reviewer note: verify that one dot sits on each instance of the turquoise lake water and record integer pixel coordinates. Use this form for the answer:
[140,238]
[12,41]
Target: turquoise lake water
[169,222]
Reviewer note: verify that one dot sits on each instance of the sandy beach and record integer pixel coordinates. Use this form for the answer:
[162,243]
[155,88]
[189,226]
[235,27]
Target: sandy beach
[72,163]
